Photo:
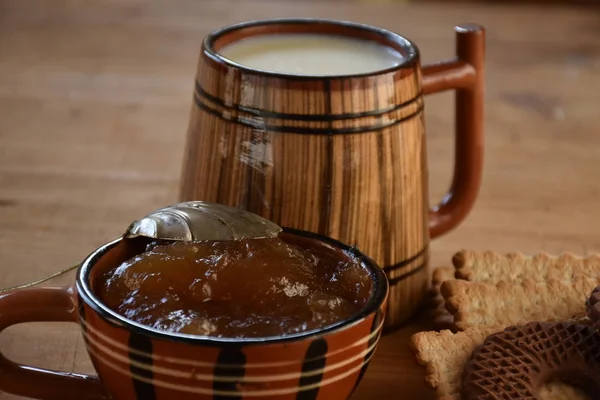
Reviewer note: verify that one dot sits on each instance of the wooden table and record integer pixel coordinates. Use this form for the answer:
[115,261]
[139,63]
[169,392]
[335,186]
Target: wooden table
[94,101]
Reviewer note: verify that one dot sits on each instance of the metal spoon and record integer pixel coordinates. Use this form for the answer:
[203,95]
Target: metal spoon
[199,220]
[190,221]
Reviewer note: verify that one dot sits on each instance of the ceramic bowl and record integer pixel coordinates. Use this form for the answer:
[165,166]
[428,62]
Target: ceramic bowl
[134,361]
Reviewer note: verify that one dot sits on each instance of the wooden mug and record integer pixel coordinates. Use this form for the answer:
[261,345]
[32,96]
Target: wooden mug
[343,156]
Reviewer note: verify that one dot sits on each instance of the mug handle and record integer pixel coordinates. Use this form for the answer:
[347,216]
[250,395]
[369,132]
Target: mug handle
[43,305]
[465,74]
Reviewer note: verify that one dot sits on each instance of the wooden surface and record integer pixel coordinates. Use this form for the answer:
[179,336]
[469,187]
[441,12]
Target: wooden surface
[94,103]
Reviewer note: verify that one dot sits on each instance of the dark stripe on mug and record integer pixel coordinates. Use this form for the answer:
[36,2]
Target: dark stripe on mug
[314,360]
[230,363]
[327,171]
[261,125]
[201,93]
[376,322]
[396,280]
[386,227]
[142,344]
[406,262]
[346,222]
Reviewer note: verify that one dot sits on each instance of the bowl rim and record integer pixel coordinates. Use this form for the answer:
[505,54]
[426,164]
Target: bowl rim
[376,299]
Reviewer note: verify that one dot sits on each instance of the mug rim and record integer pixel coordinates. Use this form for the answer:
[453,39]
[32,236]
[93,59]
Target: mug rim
[388,36]
[378,295]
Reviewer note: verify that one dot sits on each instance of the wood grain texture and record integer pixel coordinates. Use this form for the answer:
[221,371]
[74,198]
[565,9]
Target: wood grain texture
[95,99]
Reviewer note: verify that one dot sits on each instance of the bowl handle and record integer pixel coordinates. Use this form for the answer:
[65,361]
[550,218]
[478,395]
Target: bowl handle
[43,305]
[465,74]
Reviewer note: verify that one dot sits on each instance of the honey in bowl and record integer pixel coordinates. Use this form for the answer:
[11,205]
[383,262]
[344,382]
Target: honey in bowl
[238,289]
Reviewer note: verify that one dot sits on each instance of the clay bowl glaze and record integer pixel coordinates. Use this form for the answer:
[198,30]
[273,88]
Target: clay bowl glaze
[137,362]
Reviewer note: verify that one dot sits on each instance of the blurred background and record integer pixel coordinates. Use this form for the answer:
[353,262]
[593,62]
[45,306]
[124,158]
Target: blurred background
[95,98]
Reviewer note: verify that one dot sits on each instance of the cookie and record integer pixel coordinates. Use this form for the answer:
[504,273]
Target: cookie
[444,354]
[437,313]
[440,275]
[478,304]
[490,267]
[593,306]
[517,362]
[435,310]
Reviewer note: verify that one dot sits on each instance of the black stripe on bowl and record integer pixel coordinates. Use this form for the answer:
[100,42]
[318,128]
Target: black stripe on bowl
[230,363]
[314,360]
[139,343]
